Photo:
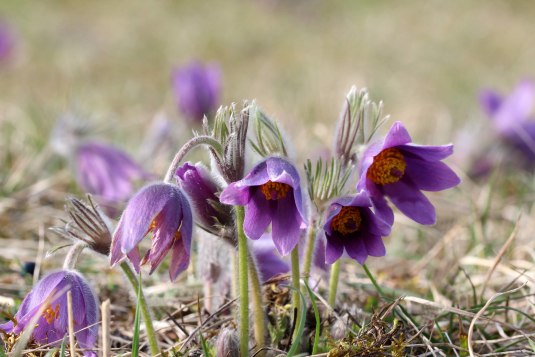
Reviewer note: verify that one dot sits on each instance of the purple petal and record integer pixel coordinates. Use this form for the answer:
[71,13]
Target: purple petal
[334,248]
[517,107]
[375,246]
[356,249]
[427,152]
[268,261]
[179,260]
[431,175]
[235,195]
[383,210]
[490,101]
[409,200]
[258,215]
[397,135]
[286,225]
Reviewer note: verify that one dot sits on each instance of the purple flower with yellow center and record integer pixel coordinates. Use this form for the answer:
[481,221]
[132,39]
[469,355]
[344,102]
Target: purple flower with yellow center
[196,89]
[351,226]
[45,307]
[513,117]
[398,169]
[271,193]
[107,173]
[163,211]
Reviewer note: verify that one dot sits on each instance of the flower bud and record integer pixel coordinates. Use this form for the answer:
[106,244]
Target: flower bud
[227,344]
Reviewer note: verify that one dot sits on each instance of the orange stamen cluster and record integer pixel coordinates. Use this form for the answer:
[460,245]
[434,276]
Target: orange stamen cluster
[51,314]
[387,167]
[274,190]
[347,221]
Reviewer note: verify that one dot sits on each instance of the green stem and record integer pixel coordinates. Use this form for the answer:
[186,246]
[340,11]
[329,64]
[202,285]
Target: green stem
[309,252]
[374,282]
[258,308]
[333,284]
[295,278]
[243,256]
[145,311]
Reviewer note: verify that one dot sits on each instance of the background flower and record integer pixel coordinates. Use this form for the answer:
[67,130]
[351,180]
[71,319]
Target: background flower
[7,41]
[271,193]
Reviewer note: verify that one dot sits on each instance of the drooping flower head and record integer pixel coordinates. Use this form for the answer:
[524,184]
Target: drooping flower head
[268,261]
[7,41]
[351,226]
[201,188]
[46,307]
[107,173]
[513,117]
[163,211]
[196,88]
[398,169]
[271,193]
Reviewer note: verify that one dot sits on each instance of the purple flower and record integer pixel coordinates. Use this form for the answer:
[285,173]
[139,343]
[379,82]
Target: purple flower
[163,211]
[201,188]
[108,173]
[268,261]
[51,325]
[197,89]
[7,41]
[271,193]
[352,226]
[399,169]
[513,117]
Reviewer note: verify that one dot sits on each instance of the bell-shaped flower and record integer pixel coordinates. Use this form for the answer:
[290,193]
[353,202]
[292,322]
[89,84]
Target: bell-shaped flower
[201,188]
[163,211]
[197,88]
[268,261]
[351,226]
[400,170]
[107,173]
[513,117]
[45,308]
[271,193]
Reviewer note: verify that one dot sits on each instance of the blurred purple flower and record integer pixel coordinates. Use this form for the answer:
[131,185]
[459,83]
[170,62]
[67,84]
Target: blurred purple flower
[271,193]
[201,188]
[108,173]
[513,117]
[268,261]
[7,41]
[197,89]
[51,326]
[164,211]
[399,169]
[352,226]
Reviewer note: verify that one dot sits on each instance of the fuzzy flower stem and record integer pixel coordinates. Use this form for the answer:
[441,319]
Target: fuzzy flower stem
[193,142]
[72,255]
[153,341]
[372,279]
[243,271]
[333,284]
[258,308]
[295,278]
[309,250]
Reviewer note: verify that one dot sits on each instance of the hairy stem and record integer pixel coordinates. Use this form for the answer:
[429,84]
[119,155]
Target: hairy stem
[145,311]
[243,256]
[258,309]
[309,250]
[193,142]
[295,278]
[333,283]
[72,255]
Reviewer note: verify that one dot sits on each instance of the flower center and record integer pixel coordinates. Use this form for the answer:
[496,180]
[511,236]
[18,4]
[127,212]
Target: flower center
[387,167]
[274,190]
[347,221]
[51,314]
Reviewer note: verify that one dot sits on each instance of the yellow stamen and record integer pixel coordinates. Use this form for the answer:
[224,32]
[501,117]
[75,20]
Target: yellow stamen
[347,221]
[51,314]
[387,167]
[274,190]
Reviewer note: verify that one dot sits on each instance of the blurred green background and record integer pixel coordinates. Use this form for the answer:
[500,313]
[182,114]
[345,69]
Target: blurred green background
[425,59]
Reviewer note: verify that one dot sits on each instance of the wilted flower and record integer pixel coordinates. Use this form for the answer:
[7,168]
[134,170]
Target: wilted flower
[399,169]
[351,226]
[201,188]
[164,211]
[7,40]
[46,308]
[271,193]
[108,173]
[196,89]
[513,117]
[268,261]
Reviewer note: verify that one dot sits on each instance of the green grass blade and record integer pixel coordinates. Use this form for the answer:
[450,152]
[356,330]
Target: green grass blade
[317,316]
[205,350]
[299,327]
[62,348]
[135,339]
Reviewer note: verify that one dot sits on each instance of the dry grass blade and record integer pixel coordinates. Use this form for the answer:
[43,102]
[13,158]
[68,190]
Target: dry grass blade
[70,323]
[106,341]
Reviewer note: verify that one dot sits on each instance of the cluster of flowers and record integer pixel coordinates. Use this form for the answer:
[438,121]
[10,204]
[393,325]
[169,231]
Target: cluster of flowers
[271,194]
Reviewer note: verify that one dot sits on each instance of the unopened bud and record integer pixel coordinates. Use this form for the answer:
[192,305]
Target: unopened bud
[227,344]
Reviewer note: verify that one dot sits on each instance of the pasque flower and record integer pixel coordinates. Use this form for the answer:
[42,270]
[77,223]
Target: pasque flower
[351,226]
[7,40]
[513,116]
[163,211]
[45,306]
[268,261]
[108,173]
[271,193]
[400,170]
[196,88]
